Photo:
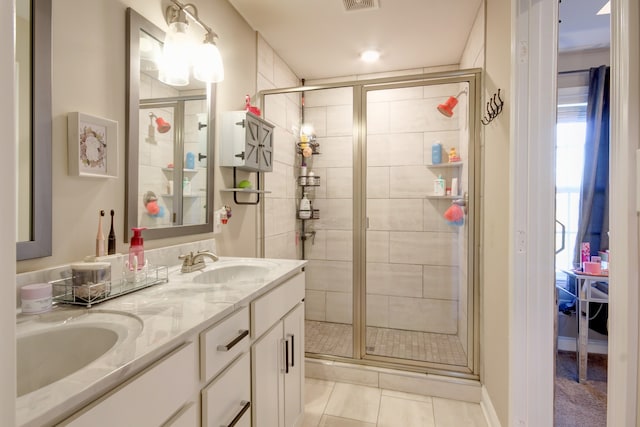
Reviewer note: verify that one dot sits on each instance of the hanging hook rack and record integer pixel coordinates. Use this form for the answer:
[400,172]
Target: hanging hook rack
[494,108]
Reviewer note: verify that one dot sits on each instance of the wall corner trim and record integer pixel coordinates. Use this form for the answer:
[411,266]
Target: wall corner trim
[490,414]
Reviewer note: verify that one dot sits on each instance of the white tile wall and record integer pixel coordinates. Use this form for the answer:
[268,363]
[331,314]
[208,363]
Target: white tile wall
[329,276]
[394,280]
[283,110]
[339,307]
[419,314]
[377,246]
[423,248]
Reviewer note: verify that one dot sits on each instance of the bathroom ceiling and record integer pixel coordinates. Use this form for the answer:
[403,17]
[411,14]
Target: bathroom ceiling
[320,38]
[580,27]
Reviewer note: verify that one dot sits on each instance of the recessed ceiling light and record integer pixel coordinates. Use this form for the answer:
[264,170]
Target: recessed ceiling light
[606,9]
[370,55]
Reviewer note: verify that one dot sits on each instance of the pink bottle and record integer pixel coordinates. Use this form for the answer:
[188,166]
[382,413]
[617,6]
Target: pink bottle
[136,249]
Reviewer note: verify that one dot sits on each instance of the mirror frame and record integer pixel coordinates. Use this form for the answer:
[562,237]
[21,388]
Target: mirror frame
[135,24]
[41,121]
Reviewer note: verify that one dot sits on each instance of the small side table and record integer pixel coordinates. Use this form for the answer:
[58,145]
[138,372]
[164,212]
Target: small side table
[585,293]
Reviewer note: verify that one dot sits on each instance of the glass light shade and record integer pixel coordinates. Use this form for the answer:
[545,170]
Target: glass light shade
[207,63]
[176,55]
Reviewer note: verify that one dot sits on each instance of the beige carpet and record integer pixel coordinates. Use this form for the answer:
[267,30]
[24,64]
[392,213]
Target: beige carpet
[580,404]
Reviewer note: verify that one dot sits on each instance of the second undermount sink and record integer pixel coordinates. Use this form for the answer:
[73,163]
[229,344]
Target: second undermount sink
[235,271]
[52,347]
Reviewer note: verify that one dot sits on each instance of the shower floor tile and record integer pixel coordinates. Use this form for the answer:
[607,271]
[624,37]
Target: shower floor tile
[336,339]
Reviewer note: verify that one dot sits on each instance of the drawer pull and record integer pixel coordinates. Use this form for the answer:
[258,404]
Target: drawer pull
[245,407]
[236,340]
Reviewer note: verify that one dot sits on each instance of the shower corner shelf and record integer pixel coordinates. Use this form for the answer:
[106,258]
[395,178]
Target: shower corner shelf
[314,214]
[315,183]
[183,170]
[446,165]
[449,197]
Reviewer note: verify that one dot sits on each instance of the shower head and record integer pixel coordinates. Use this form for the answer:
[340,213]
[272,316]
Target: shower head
[447,107]
[162,125]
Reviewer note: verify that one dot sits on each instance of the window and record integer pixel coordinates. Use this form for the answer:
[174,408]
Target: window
[570,138]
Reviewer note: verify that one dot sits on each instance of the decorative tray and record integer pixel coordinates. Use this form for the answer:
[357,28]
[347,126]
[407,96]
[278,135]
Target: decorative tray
[65,292]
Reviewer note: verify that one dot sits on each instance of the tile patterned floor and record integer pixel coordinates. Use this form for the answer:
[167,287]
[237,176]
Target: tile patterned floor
[334,404]
[336,339]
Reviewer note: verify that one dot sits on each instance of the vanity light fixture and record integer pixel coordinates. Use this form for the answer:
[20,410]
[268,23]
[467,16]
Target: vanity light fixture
[179,54]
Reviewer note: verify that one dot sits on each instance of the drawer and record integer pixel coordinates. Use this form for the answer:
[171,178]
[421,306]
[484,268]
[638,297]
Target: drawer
[148,399]
[271,307]
[228,397]
[223,342]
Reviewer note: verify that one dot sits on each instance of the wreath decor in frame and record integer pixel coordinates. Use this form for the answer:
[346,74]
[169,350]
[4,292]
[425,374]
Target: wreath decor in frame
[92,146]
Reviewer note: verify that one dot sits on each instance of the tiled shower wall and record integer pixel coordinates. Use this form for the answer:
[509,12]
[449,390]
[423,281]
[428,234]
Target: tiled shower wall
[330,271]
[413,271]
[283,111]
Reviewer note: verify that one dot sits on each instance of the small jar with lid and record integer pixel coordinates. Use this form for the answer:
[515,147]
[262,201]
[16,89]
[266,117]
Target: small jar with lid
[36,298]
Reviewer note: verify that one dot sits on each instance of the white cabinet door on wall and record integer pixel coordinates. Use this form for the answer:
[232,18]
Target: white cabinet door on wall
[267,357]
[246,142]
[278,373]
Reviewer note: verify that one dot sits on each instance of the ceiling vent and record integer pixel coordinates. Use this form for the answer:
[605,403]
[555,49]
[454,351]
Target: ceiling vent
[352,5]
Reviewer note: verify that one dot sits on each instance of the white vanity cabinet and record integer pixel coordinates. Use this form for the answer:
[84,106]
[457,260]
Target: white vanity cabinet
[158,395]
[277,355]
[244,370]
[246,142]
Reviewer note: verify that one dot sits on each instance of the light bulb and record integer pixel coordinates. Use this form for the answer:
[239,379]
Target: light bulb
[207,63]
[176,54]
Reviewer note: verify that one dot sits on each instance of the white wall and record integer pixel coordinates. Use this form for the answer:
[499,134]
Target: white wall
[495,198]
[283,110]
[7,220]
[89,76]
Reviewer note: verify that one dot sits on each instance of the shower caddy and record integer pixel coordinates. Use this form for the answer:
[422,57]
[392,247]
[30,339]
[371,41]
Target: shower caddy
[305,181]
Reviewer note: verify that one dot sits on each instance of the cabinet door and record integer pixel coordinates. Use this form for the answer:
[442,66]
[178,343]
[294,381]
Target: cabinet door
[267,356]
[294,375]
[266,148]
[252,129]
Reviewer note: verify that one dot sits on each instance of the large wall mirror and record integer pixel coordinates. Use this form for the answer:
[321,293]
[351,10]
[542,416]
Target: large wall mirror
[33,131]
[169,142]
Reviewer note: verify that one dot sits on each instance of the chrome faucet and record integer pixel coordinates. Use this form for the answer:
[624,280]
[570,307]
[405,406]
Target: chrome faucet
[193,262]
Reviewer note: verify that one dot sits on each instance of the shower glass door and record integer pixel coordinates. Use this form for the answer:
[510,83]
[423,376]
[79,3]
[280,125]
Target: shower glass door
[328,240]
[418,289]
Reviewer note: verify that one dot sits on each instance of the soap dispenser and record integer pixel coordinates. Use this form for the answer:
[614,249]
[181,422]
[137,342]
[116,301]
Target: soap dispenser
[136,249]
[305,207]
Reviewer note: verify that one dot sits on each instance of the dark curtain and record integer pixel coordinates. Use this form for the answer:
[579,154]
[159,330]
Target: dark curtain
[593,224]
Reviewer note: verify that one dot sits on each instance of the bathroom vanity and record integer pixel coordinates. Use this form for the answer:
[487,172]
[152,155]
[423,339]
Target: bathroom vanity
[220,346]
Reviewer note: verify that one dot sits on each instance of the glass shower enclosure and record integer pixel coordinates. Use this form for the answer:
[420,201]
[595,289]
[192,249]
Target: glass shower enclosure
[392,273]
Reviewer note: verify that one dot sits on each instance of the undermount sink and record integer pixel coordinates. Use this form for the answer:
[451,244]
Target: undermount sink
[54,346]
[237,271]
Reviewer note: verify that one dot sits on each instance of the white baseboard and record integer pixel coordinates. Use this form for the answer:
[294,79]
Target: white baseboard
[487,408]
[594,346]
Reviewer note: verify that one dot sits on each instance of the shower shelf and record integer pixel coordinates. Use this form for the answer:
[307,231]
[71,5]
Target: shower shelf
[446,165]
[183,170]
[431,196]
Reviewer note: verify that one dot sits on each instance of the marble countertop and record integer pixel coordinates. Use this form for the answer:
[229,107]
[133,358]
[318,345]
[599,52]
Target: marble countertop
[169,313]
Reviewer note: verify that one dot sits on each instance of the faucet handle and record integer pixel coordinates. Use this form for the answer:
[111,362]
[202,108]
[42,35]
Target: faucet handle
[188,258]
